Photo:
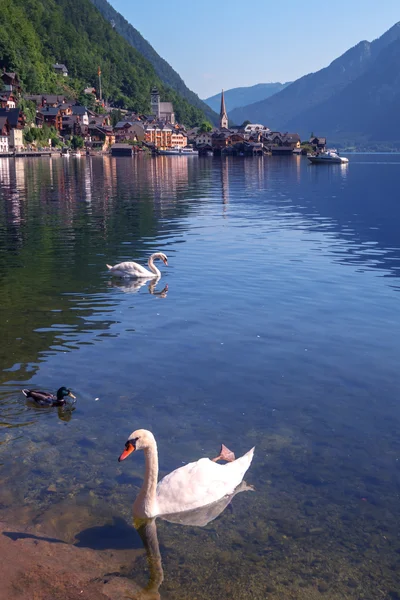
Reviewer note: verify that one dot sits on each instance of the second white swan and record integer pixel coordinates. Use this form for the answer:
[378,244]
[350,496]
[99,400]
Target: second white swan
[189,487]
[133,269]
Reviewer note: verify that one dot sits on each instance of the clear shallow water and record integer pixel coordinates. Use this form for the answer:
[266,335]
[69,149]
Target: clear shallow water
[279,329]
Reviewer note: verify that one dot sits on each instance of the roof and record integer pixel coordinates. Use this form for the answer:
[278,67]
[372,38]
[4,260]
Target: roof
[10,75]
[320,140]
[48,98]
[79,110]
[50,111]
[291,137]
[126,147]
[12,115]
[61,67]
[122,124]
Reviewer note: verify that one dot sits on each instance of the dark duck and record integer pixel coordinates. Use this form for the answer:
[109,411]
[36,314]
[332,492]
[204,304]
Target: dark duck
[48,399]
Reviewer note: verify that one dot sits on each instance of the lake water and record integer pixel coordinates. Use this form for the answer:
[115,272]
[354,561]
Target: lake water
[279,328]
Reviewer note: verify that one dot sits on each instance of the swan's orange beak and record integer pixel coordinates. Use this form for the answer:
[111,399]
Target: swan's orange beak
[165,262]
[129,448]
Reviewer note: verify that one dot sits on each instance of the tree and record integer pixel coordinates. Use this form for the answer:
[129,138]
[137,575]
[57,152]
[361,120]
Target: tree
[29,109]
[205,126]
[77,142]
[116,115]
[28,136]
[247,122]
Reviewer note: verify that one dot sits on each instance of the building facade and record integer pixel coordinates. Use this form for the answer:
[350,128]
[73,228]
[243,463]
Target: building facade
[160,136]
[162,111]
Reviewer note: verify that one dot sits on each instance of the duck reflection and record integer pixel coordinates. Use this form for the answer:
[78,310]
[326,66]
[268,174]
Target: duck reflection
[132,286]
[147,529]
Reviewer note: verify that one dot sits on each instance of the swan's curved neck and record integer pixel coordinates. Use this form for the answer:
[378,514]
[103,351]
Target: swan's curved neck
[153,267]
[149,487]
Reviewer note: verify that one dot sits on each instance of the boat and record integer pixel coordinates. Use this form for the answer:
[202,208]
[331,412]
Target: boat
[178,151]
[327,157]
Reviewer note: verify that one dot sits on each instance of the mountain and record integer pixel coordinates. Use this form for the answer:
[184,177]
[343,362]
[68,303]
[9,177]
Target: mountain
[35,34]
[164,71]
[241,96]
[324,102]
[364,111]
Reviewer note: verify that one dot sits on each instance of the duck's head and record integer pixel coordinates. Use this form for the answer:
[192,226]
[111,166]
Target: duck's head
[138,440]
[161,256]
[63,392]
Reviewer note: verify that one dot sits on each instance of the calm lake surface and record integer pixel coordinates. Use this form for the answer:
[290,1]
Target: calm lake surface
[279,328]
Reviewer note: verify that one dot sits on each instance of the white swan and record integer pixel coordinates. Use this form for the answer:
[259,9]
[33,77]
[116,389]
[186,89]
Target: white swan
[132,269]
[192,486]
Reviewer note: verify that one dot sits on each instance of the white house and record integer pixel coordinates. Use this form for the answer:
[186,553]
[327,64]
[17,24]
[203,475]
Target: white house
[3,143]
[204,138]
[255,127]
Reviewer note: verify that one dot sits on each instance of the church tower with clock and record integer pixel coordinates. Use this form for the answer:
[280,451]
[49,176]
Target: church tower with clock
[155,102]
[162,111]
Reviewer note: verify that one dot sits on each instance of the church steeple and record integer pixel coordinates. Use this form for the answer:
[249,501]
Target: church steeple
[223,117]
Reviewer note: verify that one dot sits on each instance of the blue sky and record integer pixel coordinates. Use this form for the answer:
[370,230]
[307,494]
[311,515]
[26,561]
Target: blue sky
[219,44]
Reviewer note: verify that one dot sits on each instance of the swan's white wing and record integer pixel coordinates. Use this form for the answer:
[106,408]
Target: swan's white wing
[131,268]
[200,483]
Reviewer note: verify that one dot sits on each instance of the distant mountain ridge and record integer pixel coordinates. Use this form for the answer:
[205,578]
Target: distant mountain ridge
[346,100]
[241,96]
[164,71]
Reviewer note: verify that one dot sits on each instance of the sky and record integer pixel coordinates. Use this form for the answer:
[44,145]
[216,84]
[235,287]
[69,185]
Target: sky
[215,44]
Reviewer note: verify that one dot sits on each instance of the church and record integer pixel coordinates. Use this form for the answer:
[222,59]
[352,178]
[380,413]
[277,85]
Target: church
[223,115]
[163,111]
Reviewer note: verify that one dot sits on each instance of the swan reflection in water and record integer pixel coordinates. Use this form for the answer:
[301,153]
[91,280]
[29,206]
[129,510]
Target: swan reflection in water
[132,286]
[147,529]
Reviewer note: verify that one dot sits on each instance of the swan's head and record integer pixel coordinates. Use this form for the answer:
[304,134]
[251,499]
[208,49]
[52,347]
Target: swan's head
[138,440]
[160,256]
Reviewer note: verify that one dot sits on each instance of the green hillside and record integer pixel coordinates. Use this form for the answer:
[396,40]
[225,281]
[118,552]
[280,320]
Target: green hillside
[34,34]
[164,71]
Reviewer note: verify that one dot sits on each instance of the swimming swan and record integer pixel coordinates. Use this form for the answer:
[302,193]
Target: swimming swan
[132,269]
[189,487]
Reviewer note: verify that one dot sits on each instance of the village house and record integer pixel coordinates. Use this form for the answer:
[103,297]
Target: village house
[318,143]
[223,139]
[100,120]
[46,99]
[15,117]
[11,82]
[8,100]
[130,131]
[178,139]
[203,139]
[4,134]
[60,69]
[16,120]
[52,116]
[255,127]
[100,138]
[159,136]
[81,112]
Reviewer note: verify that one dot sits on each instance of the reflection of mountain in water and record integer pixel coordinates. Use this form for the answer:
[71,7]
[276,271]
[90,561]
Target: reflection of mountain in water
[343,203]
[60,220]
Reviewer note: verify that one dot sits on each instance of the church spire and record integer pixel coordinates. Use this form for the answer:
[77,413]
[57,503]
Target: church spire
[223,117]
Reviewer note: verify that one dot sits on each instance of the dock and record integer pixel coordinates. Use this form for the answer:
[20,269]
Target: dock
[27,153]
